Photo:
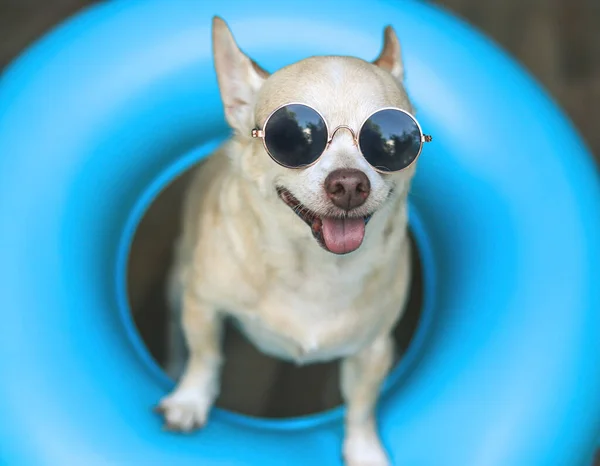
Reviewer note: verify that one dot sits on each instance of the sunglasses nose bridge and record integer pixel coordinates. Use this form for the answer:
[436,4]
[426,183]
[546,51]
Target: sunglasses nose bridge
[335,130]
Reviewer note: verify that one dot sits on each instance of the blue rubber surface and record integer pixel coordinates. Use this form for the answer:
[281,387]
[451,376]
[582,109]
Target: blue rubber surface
[100,114]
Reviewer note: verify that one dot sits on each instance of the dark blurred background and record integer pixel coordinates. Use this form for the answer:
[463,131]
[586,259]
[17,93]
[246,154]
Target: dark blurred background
[558,41]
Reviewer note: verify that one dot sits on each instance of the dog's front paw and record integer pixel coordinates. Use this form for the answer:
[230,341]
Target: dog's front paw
[362,450]
[184,410]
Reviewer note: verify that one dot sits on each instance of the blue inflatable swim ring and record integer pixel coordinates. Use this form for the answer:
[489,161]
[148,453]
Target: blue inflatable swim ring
[100,114]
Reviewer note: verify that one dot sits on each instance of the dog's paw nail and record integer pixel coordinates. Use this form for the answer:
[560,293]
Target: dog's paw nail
[158,409]
[197,426]
[167,427]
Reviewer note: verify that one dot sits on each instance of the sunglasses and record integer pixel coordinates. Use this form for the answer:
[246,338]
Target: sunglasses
[296,135]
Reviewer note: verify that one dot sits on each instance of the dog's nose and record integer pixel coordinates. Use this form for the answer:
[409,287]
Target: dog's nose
[347,188]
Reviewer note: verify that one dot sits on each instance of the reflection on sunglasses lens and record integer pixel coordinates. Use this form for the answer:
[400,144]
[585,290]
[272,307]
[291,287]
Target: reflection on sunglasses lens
[295,135]
[390,140]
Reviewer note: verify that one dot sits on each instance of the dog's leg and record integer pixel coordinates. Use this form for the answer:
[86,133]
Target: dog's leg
[175,347]
[361,378]
[187,407]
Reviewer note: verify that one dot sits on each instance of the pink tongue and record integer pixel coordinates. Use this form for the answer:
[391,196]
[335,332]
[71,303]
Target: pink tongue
[343,235]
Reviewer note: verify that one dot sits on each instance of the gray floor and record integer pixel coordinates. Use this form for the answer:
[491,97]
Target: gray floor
[558,41]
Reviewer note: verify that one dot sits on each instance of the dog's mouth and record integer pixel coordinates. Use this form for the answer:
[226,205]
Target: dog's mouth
[339,235]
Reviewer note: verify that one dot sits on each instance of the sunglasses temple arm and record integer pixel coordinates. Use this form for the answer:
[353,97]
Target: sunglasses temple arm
[257,133]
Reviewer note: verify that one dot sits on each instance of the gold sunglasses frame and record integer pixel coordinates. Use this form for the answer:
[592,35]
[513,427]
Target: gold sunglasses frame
[260,133]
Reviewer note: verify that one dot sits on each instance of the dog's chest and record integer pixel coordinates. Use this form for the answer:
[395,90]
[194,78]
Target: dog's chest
[313,322]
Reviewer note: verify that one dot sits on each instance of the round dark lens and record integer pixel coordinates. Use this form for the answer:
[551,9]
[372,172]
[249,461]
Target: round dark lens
[295,135]
[390,140]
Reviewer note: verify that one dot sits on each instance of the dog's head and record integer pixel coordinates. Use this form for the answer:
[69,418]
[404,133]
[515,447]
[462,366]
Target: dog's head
[337,195]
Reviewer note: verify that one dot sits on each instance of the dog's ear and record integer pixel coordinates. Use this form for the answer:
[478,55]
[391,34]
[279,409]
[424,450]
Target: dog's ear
[390,58]
[238,76]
